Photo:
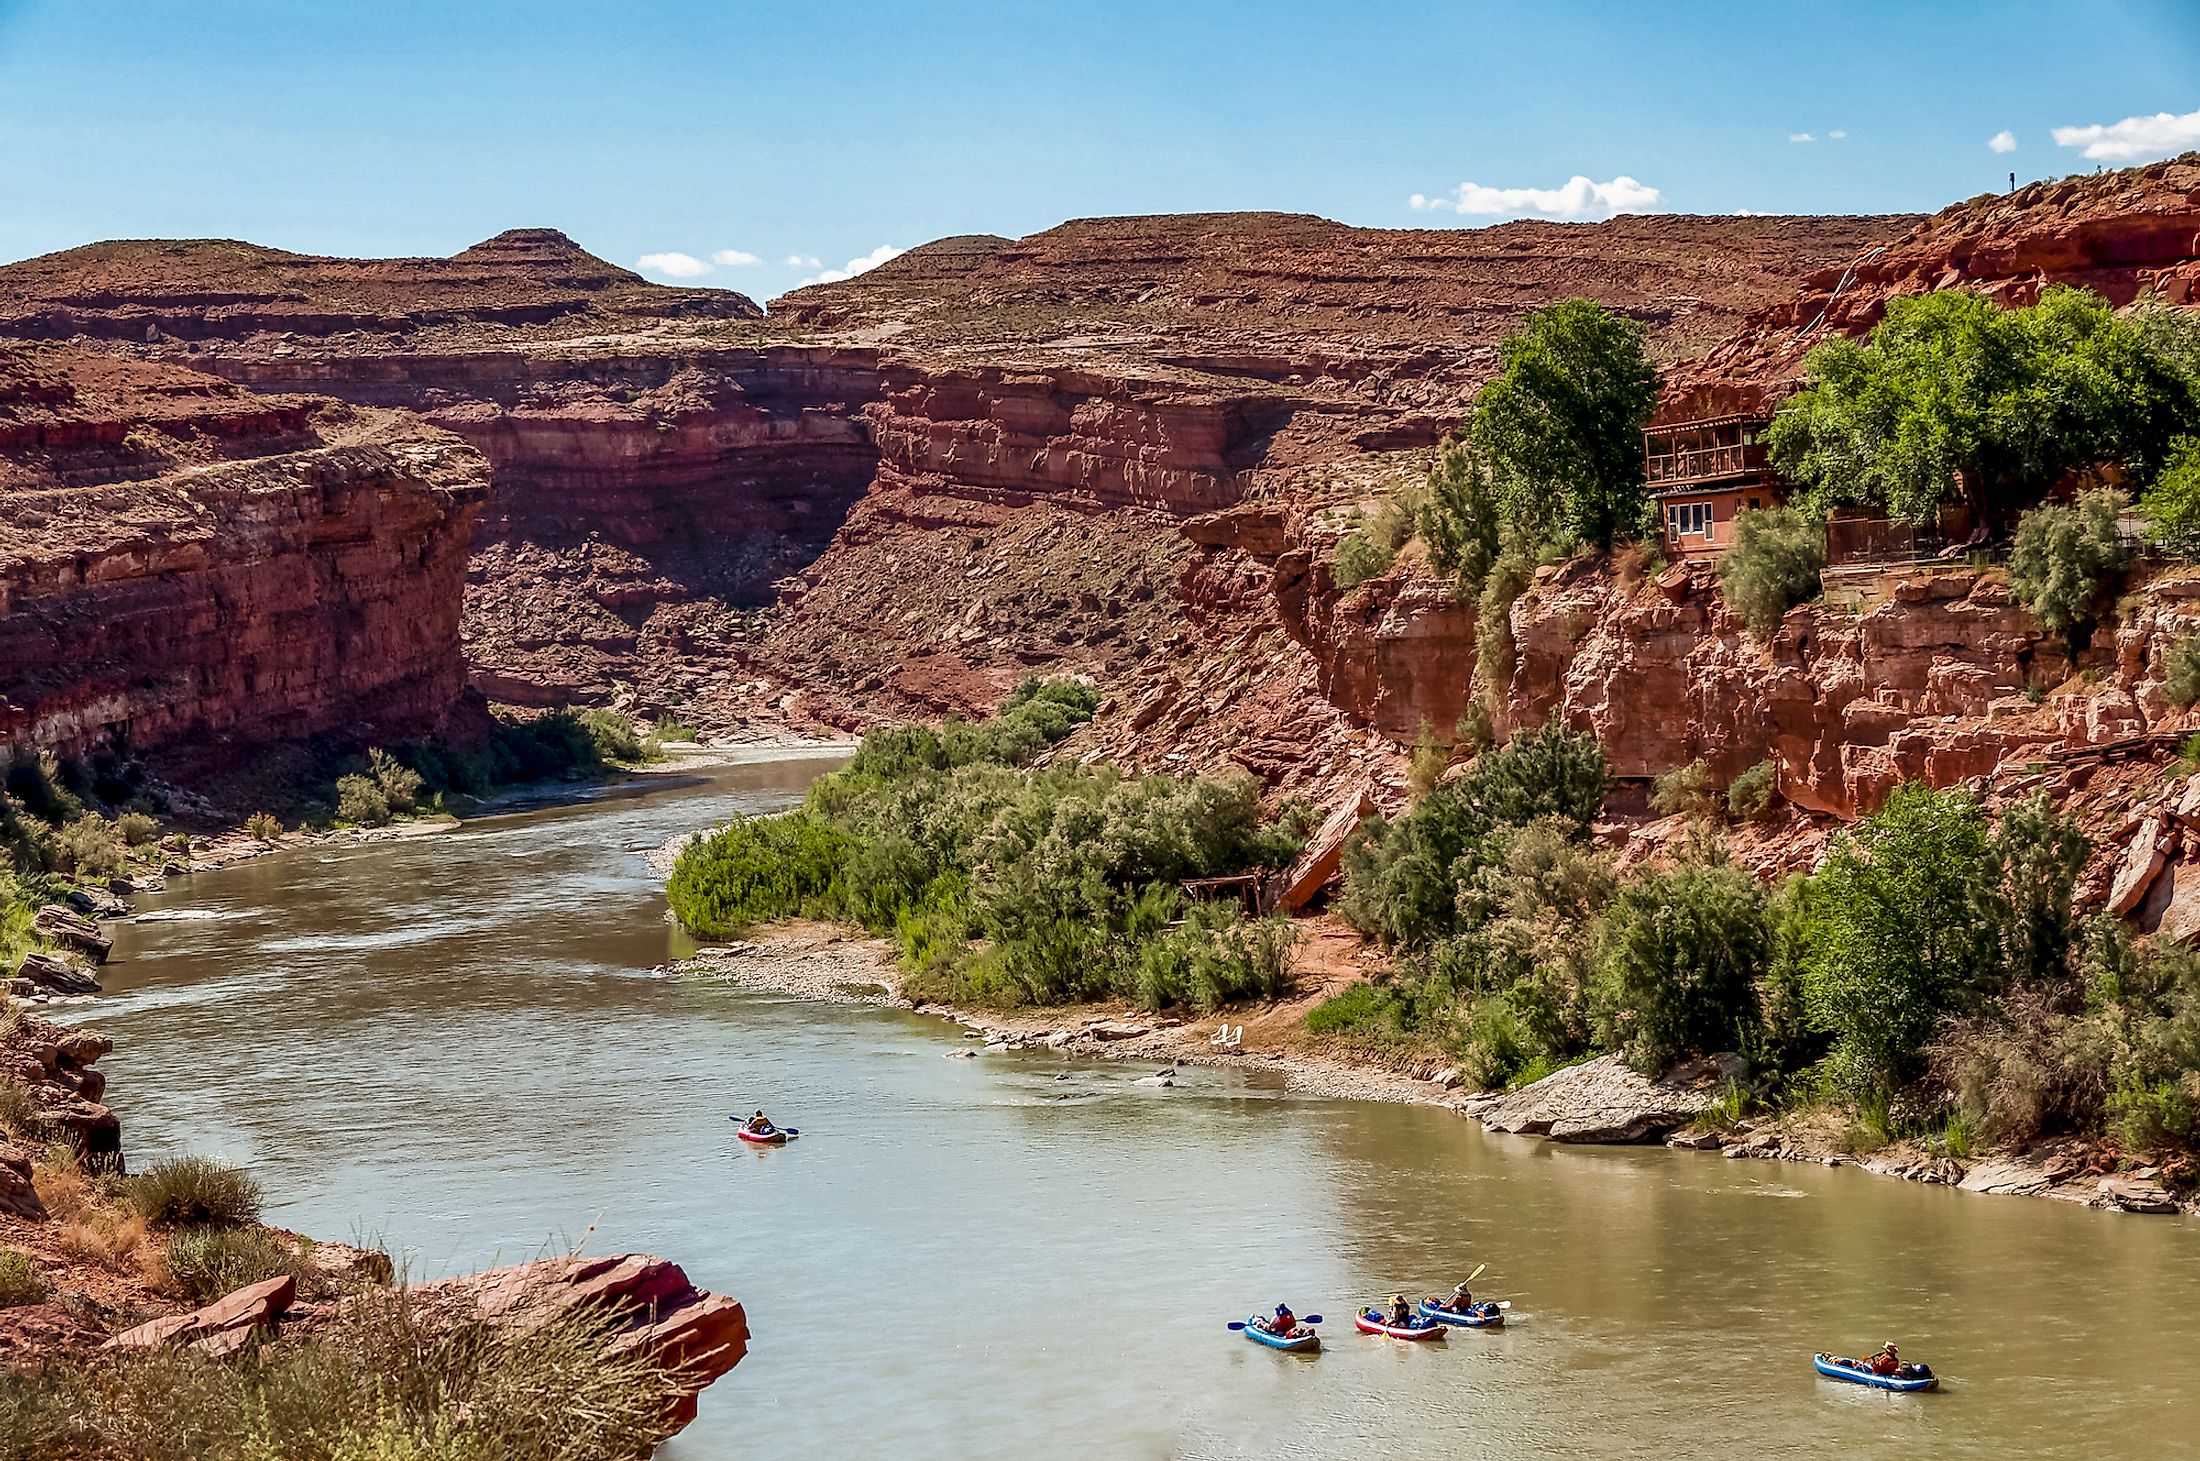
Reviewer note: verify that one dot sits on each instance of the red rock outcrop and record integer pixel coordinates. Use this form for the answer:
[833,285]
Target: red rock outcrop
[651,1310]
[188,567]
[53,1062]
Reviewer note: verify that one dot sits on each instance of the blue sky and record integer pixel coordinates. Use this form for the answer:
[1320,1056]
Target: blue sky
[791,134]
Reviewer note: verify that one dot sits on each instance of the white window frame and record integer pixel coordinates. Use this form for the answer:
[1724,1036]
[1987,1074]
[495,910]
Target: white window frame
[1684,519]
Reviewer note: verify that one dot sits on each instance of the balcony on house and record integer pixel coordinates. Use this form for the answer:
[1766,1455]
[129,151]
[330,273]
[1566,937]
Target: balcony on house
[1702,473]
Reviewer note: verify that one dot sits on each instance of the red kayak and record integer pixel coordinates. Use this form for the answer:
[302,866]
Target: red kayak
[774,1136]
[1367,1321]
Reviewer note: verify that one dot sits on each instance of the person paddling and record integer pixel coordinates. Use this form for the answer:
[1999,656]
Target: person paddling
[759,1124]
[1283,1321]
[1461,1299]
[1401,1312]
[1887,1362]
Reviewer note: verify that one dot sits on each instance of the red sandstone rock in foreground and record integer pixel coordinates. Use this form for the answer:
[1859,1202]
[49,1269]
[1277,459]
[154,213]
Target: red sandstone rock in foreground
[694,1335]
[222,1327]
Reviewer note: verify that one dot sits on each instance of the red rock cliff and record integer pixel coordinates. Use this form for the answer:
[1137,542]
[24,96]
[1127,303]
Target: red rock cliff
[191,567]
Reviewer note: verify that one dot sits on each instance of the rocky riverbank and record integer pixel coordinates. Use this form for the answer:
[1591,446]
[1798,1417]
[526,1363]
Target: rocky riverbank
[1599,1101]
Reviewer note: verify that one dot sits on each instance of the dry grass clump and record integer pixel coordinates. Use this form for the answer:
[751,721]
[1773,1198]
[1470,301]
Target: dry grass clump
[378,1383]
[196,1192]
[21,1281]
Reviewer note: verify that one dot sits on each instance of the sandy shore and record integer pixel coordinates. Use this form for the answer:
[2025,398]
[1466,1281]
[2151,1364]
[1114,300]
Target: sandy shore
[817,961]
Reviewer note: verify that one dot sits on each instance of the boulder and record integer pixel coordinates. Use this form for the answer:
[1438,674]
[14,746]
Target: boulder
[71,931]
[222,1327]
[2136,1194]
[52,974]
[2006,1176]
[18,1197]
[2143,859]
[1602,1100]
[653,1311]
[96,903]
[1117,1029]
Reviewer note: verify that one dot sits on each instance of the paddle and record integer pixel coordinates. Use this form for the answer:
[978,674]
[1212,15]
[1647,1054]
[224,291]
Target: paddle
[1306,1319]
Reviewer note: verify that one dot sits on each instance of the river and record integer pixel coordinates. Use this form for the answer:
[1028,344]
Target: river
[453,1045]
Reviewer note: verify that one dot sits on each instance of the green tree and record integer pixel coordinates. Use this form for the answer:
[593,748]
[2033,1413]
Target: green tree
[1460,520]
[1904,921]
[1678,962]
[1953,396]
[1774,564]
[2172,505]
[2064,563]
[2041,853]
[1562,422]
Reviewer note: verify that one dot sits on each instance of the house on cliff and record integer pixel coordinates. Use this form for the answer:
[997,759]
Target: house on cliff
[1702,473]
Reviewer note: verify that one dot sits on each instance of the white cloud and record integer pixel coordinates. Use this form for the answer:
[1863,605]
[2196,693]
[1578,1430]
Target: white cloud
[2134,139]
[797,261]
[2002,141]
[1837,135]
[735,258]
[1801,137]
[1578,197]
[853,267]
[676,265]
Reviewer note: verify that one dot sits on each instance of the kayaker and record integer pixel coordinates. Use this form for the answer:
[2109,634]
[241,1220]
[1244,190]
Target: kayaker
[1284,1321]
[758,1123]
[1887,1362]
[1401,1312]
[1461,1300]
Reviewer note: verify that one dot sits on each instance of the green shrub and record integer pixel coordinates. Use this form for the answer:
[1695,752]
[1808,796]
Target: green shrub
[1403,878]
[264,825]
[90,847]
[1751,793]
[756,870]
[1357,1009]
[208,1263]
[361,802]
[1213,958]
[1678,963]
[2065,562]
[34,783]
[2181,672]
[1460,518]
[21,1281]
[672,728]
[1905,914]
[1686,789]
[2151,1115]
[1494,649]
[137,829]
[195,1191]
[399,784]
[612,735]
[1359,558]
[2171,505]
[1773,565]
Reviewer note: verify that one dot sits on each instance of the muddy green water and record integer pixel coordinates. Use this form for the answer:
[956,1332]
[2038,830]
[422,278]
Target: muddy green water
[454,1045]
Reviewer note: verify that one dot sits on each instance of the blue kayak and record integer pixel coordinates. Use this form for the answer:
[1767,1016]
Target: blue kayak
[1484,1315]
[1857,1373]
[1307,1340]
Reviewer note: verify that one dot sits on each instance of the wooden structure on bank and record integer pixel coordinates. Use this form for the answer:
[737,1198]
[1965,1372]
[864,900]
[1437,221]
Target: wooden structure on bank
[1701,474]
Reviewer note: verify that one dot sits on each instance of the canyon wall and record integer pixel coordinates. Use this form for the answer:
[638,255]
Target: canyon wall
[191,568]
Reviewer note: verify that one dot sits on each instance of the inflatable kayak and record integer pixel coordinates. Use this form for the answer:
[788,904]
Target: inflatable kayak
[1305,1339]
[1367,1321]
[1484,1315]
[1912,1377]
[774,1137]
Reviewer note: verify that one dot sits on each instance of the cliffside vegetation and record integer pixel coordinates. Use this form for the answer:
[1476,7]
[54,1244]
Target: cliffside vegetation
[1931,973]
[1009,884]
[1953,397]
